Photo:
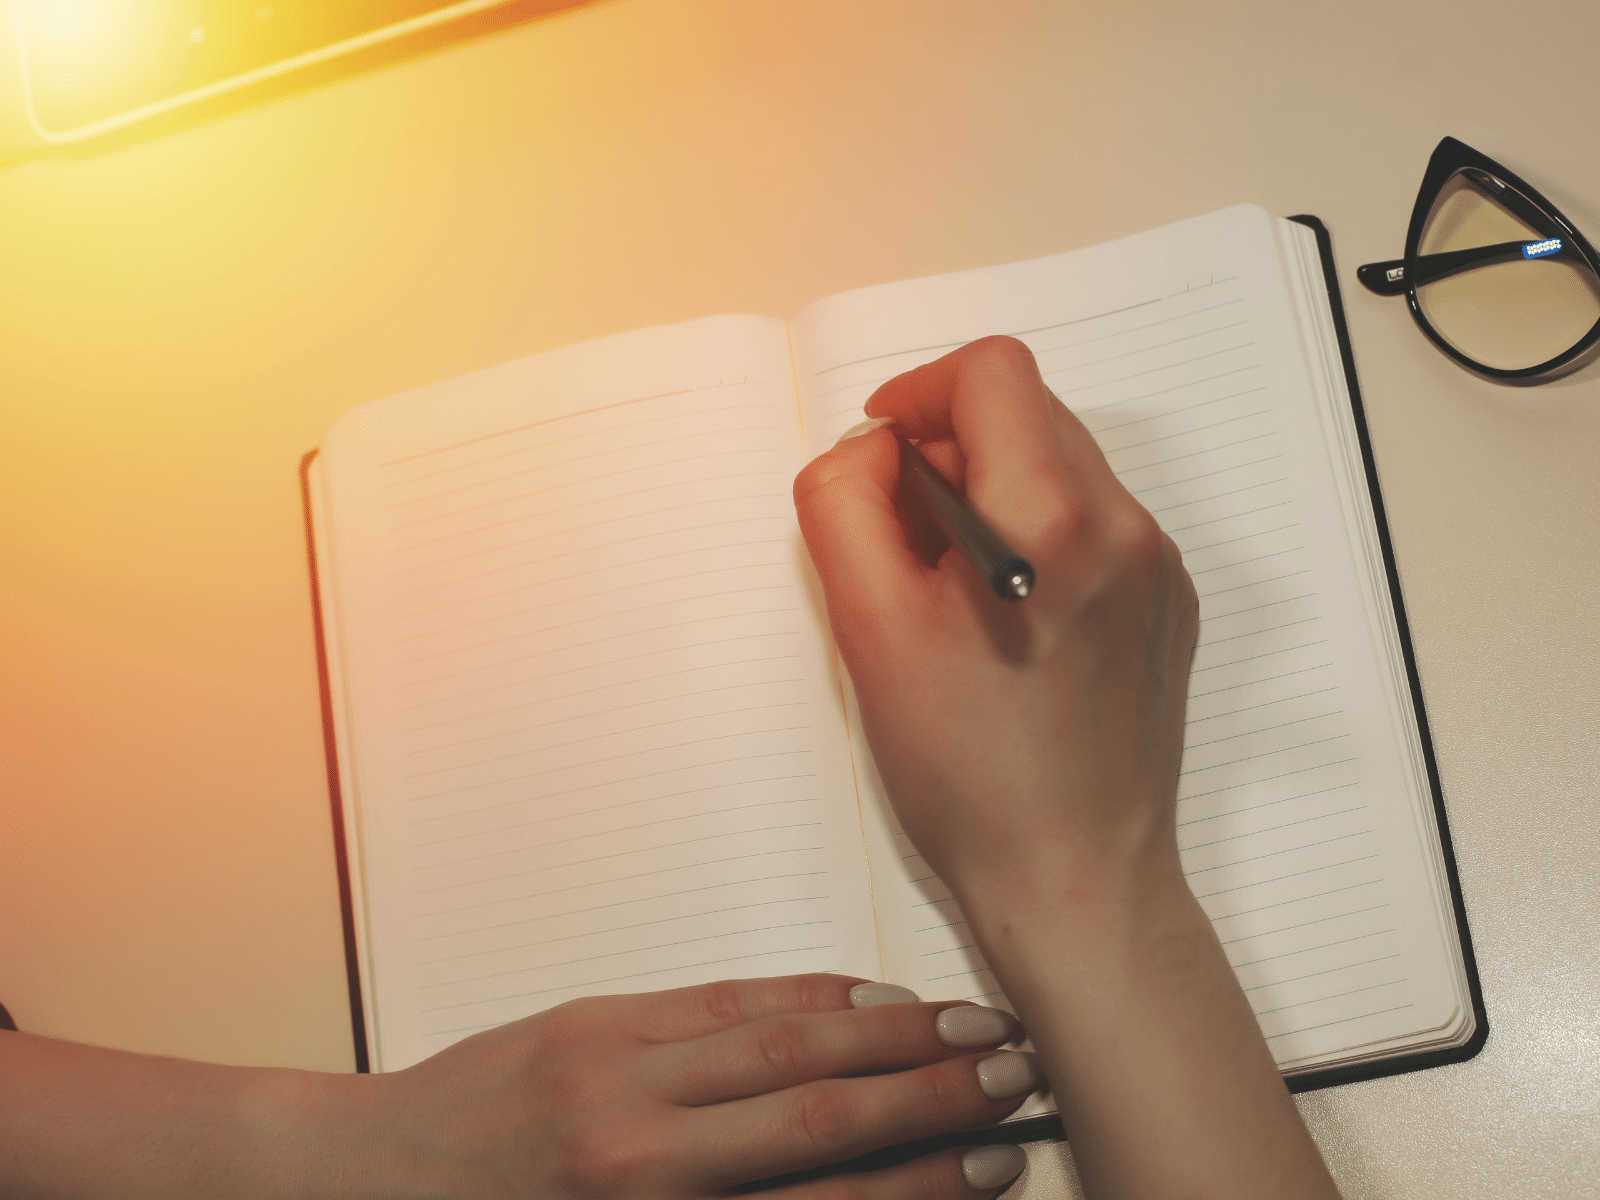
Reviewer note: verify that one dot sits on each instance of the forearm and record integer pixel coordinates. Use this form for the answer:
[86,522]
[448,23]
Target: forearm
[1165,1085]
[82,1121]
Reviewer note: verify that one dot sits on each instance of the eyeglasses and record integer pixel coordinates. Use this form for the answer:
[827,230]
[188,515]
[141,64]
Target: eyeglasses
[1495,276]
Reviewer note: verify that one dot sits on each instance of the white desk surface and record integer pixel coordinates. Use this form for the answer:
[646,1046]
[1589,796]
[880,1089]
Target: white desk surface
[181,318]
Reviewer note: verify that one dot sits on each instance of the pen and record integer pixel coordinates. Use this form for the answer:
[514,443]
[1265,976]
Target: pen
[1008,573]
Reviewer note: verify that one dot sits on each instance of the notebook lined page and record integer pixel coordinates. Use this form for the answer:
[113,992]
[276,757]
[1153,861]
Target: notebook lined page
[596,745]
[1296,810]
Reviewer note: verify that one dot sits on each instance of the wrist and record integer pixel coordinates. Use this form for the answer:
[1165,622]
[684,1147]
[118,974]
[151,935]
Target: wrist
[1123,933]
[1065,890]
[332,1137]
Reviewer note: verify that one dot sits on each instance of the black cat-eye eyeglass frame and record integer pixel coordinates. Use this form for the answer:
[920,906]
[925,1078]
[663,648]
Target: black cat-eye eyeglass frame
[1558,240]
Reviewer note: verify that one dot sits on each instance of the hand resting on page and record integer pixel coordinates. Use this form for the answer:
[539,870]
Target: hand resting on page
[684,1093]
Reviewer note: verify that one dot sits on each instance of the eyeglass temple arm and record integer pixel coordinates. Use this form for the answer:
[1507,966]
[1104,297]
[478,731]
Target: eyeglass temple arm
[1389,278]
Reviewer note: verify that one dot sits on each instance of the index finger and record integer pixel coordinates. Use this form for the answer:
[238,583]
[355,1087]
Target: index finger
[683,1013]
[1013,432]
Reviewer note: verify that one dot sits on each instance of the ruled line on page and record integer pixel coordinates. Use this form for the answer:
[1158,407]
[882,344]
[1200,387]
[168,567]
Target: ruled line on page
[1272,829]
[501,829]
[1229,516]
[1095,362]
[1260,629]
[1163,367]
[691,916]
[1028,336]
[623,879]
[678,770]
[610,708]
[582,837]
[589,984]
[1040,351]
[1334,996]
[546,966]
[1244,537]
[1343,862]
[1263,754]
[1214,496]
[657,581]
[722,477]
[447,514]
[1264,704]
[579,862]
[1263,729]
[632,431]
[1330,971]
[466,647]
[607,758]
[1098,429]
[1234,662]
[1234,810]
[1267,779]
[475,465]
[951,345]
[659,896]
[567,530]
[1178,433]
[1310,949]
[502,433]
[741,455]
[612,567]
[1224,866]
[643,654]
[592,809]
[522,613]
[1342,1021]
[523,565]
[544,470]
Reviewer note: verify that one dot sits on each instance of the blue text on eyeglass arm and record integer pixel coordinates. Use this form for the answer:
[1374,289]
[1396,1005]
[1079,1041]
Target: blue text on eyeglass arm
[1540,249]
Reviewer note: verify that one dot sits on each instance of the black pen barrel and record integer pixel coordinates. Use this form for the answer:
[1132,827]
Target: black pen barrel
[1009,574]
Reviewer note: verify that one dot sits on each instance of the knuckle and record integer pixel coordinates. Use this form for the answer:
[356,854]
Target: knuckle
[572,1085]
[781,1046]
[820,1118]
[719,1004]
[1002,348]
[1138,540]
[567,1027]
[598,1163]
[944,1089]
[815,477]
[1065,520]
[820,993]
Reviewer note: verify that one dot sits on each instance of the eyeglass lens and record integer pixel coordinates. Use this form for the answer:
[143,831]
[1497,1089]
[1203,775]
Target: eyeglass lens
[1521,307]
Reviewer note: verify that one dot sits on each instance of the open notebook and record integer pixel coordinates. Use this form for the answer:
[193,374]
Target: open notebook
[591,734]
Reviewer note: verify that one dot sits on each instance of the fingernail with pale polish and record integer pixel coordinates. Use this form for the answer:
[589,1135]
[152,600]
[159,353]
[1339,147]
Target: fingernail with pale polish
[1009,1074]
[870,995]
[865,427]
[970,1026]
[990,1166]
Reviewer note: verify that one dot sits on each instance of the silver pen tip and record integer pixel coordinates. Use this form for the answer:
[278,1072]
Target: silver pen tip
[1020,586]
